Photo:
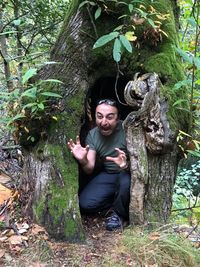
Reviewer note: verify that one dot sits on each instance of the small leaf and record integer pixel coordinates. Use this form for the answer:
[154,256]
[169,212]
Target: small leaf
[151,22]
[54,118]
[51,94]
[192,21]
[117,50]
[30,73]
[97,13]
[17,22]
[29,105]
[125,43]
[130,7]
[40,106]
[86,2]
[105,39]
[184,55]
[197,62]
[30,92]
[130,36]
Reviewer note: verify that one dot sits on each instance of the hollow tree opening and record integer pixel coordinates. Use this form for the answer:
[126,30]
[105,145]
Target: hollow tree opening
[104,87]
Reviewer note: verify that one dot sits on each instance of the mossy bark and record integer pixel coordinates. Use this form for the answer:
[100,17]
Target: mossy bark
[51,174]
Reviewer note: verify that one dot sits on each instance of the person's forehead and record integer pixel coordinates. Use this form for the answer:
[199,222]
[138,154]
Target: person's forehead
[106,109]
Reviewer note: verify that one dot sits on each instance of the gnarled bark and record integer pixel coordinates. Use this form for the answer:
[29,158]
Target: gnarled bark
[148,138]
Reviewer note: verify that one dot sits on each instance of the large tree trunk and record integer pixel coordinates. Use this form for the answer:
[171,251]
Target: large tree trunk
[51,174]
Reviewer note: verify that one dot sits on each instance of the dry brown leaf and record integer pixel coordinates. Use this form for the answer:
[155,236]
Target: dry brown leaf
[5,194]
[3,239]
[4,178]
[2,252]
[36,229]
[154,236]
[15,240]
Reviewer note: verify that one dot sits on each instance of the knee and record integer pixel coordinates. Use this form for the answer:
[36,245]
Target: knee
[86,204]
[125,182]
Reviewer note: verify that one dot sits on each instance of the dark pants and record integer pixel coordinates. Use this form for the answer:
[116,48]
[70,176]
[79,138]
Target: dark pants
[107,191]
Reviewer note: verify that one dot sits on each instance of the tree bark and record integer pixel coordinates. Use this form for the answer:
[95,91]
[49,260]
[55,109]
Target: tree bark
[51,174]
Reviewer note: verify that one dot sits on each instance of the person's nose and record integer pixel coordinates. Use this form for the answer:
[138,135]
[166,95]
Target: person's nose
[104,122]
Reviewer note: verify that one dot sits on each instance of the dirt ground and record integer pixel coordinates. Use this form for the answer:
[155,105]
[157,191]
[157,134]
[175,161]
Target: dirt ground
[38,250]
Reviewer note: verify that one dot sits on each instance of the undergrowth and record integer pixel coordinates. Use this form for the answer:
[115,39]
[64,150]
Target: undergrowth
[160,248]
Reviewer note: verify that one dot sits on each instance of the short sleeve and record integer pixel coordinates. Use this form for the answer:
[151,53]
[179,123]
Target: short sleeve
[90,141]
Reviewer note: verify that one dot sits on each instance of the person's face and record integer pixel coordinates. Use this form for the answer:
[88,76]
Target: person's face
[106,118]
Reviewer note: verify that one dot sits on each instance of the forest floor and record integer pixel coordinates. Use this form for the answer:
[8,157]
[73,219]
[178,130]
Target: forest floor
[25,244]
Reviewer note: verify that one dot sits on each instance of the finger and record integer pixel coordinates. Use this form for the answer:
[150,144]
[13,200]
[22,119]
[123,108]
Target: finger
[111,159]
[71,143]
[87,148]
[77,140]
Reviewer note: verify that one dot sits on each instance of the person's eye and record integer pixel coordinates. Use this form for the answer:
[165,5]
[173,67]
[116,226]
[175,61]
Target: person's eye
[110,117]
[99,117]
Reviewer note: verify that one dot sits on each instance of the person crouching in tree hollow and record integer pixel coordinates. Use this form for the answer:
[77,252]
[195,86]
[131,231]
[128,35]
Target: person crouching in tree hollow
[110,189]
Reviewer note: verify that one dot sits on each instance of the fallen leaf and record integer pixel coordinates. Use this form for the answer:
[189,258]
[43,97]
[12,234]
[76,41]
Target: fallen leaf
[5,194]
[154,236]
[3,239]
[15,240]
[4,178]
[36,229]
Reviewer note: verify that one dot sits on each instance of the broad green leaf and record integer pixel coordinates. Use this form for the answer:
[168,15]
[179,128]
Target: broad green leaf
[86,2]
[29,105]
[130,7]
[197,62]
[105,39]
[198,82]
[151,22]
[192,21]
[179,84]
[51,94]
[125,43]
[184,55]
[29,74]
[17,117]
[97,13]
[30,92]
[34,108]
[40,106]
[194,153]
[117,50]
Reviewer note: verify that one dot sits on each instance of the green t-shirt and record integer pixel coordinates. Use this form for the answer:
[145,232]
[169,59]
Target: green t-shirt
[105,145]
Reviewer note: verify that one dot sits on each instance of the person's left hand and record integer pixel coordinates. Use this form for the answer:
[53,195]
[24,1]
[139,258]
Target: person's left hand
[120,160]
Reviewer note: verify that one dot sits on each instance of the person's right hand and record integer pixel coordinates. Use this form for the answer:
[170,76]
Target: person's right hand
[79,152]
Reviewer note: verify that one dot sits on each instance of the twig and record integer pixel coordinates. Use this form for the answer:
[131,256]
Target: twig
[193,229]
[14,227]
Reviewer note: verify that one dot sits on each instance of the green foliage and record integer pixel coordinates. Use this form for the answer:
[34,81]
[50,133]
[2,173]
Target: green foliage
[159,248]
[31,102]
[189,52]
[136,14]
[186,194]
